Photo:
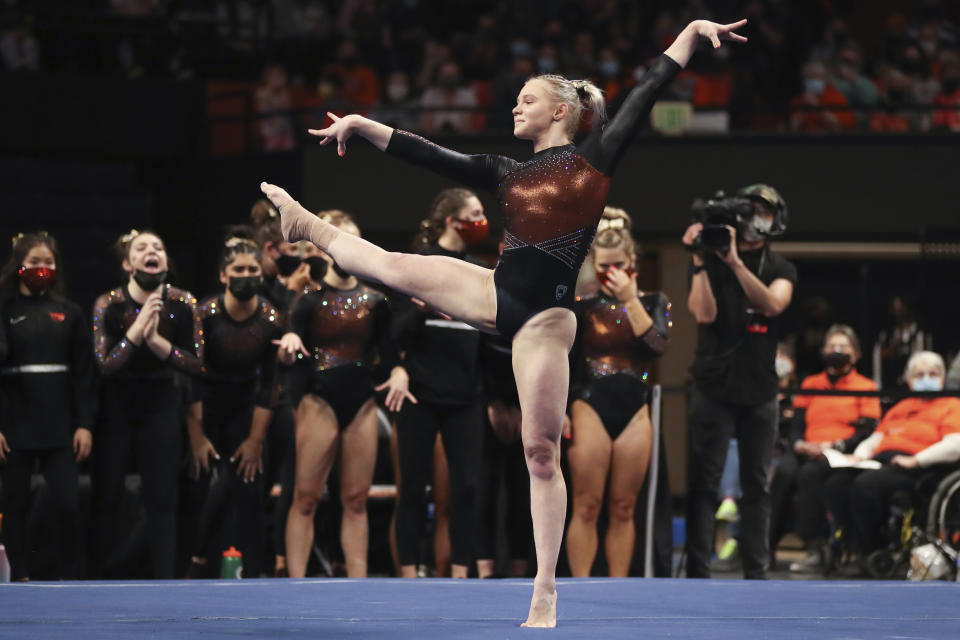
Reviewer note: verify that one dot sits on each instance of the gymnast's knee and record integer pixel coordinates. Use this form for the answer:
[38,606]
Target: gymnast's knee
[305,501]
[543,460]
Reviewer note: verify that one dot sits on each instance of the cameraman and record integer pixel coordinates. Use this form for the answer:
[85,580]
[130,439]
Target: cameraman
[739,287]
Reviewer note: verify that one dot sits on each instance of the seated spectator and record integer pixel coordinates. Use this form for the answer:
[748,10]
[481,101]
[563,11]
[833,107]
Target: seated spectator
[857,88]
[818,91]
[820,422]
[915,434]
[272,98]
[397,106]
[953,375]
[947,115]
[448,91]
[361,86]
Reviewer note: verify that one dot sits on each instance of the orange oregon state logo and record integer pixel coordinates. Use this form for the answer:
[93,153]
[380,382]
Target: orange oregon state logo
[57,316]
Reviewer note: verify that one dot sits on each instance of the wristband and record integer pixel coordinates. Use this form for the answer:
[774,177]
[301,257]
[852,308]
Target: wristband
[696,268]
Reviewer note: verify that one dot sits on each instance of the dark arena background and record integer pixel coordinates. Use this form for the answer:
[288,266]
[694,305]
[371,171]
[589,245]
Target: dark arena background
[166,115]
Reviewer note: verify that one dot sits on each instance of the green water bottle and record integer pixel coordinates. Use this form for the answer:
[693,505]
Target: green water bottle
[231,568]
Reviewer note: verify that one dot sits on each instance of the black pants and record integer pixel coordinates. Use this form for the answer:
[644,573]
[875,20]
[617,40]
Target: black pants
[231,507]
[504,464]
[282,467]
[145,418]
[461,429]
[859,502]
[59,469]
[712,424]
[800,480]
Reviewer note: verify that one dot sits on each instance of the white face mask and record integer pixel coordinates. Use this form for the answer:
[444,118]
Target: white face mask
[783,366]
[927,383]
[397,92]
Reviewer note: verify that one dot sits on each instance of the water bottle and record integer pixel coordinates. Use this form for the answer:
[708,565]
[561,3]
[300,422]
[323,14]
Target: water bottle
[231,568]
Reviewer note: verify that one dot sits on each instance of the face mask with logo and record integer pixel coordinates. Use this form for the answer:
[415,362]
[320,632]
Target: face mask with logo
[287,264]
[473,231]
[927,383]
[244,287]
[837,360]
[37,279]
[149,281]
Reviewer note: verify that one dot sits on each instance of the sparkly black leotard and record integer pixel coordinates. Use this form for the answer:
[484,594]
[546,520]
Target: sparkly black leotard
[551,204]
[611,364]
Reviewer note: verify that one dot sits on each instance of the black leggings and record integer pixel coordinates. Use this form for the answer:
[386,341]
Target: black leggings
[60,472]
[283,457]
[461,428]
[504,465]
[801,479]
[231,507]
[146,417]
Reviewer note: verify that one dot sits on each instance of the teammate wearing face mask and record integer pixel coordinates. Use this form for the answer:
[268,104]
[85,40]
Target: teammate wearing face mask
[915,434]
[440,357]
[735,298]
[620,331]
[820,422]
[237,396]
[47,398]
[145,333]
[335,334]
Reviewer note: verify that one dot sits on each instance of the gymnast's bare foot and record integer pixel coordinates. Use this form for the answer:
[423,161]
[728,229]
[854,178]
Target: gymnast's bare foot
[296,223]
[543,607]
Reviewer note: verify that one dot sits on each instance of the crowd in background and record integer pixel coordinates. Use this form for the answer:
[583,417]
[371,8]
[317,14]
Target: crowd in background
[463,65]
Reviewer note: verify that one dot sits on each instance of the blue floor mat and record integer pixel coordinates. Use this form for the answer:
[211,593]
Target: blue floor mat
[391,608]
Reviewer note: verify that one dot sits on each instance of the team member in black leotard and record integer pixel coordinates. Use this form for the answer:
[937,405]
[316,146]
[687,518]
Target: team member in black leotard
[238,394]
[620,331]
[440,357]
[47,397]
[551,206]
[145,333]
[336,331]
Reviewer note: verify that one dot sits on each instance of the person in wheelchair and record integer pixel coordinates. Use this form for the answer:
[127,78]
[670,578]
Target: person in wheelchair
[915,434]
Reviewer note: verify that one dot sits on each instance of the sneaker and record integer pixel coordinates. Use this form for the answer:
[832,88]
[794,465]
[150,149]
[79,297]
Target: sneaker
[729,550]
[728,511]
[811,563]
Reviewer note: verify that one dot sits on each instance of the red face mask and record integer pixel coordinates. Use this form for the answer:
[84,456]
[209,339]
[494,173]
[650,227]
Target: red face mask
[37,279]
[473,231]
[602,275]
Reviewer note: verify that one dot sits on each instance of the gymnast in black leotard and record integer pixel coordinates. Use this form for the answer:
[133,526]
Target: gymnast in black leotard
[551,205]
[338,332]
[621,330]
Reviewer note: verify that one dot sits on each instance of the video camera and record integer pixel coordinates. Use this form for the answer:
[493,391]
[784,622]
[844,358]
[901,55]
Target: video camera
[716,213]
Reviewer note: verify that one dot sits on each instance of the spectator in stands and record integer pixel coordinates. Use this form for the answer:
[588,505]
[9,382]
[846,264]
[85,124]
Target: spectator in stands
[953,375]
[915,434]
[448,90]
[896,343]
[361,86]
[947,115]
[857,88]
[19,50]
[272,99]
[821,422]
[548,59]
[818,91]
[397,107]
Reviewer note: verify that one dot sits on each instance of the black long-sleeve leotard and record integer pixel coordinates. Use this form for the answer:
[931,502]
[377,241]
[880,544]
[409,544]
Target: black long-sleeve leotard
[240,355]
[47,379]
[116,310]
[551,204]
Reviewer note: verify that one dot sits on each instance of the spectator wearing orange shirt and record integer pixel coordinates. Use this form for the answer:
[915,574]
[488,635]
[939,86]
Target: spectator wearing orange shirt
[361,85]
[915,434]
[818,91]
[821,422]
[947,115]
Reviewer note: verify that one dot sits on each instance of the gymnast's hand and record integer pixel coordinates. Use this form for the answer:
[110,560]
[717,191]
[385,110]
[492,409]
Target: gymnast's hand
[340,130]
[716,32]
[398,389]
[621,285]
[203,450]
[290,348]
[249,459]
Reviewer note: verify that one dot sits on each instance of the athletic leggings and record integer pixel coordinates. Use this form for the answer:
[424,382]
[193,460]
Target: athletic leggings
[60,472]
[232,511]
[283,460]
[145,416]
[461,428]
[504,465]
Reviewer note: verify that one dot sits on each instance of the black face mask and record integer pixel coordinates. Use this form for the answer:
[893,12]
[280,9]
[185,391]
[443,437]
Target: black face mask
[337,269]
[287,264]
[244,287]
[318,268]
[837,361]
[149,281]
